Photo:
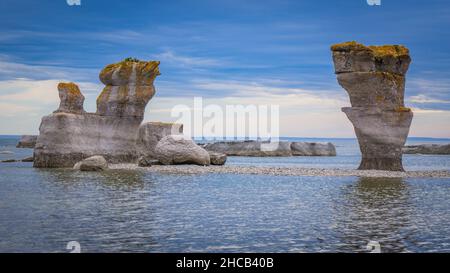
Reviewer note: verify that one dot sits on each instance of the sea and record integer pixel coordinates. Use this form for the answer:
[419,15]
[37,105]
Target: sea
[47,210]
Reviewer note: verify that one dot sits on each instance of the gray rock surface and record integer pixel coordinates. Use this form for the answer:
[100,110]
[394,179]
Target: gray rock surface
[250,148]
[151,133]
[217,158]
[427,149]
[9,161]
[28,159]
[27,141]
[71,98]
[92,164]
[374,78]
[147,162]
[313,149]
[177,149]
[66,137]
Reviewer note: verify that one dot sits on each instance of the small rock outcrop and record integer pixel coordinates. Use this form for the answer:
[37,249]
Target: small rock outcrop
[177,149]
[92,164]
[27,141]
[250,148]
[374,78]
[28,159]
[70,135]
[313,149]
[71,98]
[217,158]
[427,149]
[151,133]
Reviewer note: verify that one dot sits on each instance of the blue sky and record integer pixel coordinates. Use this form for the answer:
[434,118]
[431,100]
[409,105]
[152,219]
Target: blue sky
[224,51]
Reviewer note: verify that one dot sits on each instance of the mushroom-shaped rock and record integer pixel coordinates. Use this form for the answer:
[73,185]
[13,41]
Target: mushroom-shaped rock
[92,164]
[70,134]
[71,98]
[177,149]
[129,87]
[374,78]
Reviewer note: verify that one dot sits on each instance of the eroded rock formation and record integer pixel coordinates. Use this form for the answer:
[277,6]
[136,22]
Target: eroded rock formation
[177,149]
[374,78]
[313,149]
[250,148]
[268,149]
[27,141]
[71,98]
[428,149]
[151,133]
[70,135]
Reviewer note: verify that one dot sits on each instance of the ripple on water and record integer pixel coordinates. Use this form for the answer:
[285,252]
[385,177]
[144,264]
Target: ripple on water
[137,211]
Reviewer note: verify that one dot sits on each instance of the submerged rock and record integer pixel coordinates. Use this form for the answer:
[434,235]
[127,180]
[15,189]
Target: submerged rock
[217,158]
[92,164]
[151,133]
[428,149]
[27,141]
[69,135]
[177,149]
[313,149]
[374,78]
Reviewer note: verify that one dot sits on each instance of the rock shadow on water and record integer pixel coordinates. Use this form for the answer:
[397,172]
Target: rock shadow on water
[374,209]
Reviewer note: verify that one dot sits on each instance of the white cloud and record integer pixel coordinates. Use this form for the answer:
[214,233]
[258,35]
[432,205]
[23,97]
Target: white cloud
[187,61]
[426,99]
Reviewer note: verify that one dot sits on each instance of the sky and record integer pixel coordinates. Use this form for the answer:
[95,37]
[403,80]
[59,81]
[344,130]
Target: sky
[227,52]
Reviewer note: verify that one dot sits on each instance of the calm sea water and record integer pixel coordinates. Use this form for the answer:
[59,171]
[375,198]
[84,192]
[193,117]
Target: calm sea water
[135,211]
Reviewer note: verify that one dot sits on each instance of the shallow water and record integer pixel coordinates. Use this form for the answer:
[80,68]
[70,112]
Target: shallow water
[137,211]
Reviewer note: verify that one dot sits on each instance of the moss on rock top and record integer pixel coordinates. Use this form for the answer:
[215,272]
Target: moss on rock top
[378,51]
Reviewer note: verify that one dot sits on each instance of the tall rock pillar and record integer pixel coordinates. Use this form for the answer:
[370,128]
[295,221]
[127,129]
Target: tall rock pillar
[374,78]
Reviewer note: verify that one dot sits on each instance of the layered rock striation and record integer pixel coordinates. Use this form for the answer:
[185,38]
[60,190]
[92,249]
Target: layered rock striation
[70,134]
[374,78]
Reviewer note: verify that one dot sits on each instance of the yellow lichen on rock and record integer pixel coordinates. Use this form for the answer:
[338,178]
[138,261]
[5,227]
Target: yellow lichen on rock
[70,88]
[389,50]
[377,51]
[348,46]
[402,109]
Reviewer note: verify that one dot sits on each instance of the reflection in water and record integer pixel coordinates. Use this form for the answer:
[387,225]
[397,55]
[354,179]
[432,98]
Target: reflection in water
[374,209]
[115,179]
[86,201]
